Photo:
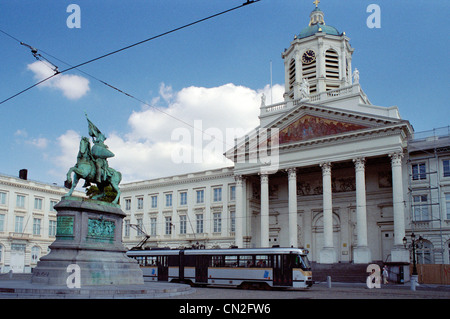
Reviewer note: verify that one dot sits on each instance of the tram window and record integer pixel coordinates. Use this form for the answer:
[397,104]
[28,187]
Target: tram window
[301,262]
[151,261]
[140,260]
[262,261]
[217,261]
[246,261]
[231,261]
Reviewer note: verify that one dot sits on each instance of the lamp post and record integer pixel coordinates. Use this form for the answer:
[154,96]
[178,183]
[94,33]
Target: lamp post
[413,245]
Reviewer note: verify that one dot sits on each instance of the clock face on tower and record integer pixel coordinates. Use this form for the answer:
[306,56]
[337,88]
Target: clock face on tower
[308,57]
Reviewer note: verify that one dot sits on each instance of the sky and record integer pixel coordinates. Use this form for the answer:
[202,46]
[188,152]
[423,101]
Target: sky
[209,76]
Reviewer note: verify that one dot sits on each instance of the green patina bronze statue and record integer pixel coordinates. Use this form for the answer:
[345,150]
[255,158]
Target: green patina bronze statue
[92,165]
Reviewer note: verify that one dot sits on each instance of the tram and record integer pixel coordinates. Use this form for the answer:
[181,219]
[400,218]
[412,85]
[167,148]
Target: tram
[244,268]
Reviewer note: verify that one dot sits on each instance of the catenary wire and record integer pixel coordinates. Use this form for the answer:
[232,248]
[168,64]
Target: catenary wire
[127,47]
[71,67]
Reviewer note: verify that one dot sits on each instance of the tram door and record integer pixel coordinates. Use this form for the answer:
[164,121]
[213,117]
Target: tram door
[201,268]
[163,268]
[282,270]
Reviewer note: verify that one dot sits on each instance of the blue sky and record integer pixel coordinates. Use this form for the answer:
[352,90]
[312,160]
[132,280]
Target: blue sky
[212,73]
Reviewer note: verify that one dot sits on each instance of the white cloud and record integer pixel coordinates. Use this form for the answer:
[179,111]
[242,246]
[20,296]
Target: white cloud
[190,134]
[72,86]
[21,133]
[163,142]
[39,142]
[69,144]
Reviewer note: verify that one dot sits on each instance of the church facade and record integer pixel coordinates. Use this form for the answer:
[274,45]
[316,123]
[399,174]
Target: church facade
[326,170]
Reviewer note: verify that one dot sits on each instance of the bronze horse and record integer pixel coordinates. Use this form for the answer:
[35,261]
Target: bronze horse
[86,169]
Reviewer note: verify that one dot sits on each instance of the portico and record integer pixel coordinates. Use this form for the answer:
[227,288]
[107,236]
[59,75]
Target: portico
[317,208]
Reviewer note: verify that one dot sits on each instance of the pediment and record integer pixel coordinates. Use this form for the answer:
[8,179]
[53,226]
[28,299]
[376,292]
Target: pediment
[310,126]
[309,122]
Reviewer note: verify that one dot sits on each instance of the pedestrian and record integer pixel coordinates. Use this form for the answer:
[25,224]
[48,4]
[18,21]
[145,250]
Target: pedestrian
[385,275]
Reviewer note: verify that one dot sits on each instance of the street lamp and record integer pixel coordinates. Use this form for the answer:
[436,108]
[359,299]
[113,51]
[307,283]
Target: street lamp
[413,245]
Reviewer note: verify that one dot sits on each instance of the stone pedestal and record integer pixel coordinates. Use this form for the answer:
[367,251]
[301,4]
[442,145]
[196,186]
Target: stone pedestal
[362,255]
[88,235]
[327,255]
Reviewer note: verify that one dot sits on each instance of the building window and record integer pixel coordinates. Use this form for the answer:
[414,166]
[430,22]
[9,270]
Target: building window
[20,201]
[2,222]
[183,224]
[18,247]
[419,171]
[183,198]
[232,221]
[217,219]
[425,253]
[168,225]
[168,200]
[2,198]
[140,203]
[200,196]
[36,226]
[127,228]
[153,226]
[154,199]
[232,193]
[420,208]
[52,205]
[1,253]
[199,223]
[217,192]
[18,227]
[446,167]
[140,224]
[35,253]
[38,203]
[447,204]
[52,228]
[127,203]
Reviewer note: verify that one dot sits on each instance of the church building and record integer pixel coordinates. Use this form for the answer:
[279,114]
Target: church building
[326,170]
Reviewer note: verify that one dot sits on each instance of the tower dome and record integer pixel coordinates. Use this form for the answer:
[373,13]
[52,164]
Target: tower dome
[317,24]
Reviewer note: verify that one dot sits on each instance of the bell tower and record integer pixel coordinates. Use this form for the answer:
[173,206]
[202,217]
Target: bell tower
[319,54]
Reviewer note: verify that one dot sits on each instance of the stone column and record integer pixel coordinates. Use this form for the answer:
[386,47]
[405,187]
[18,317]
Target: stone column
[362,253]
[239,214]
[327,254]
[398,253]
[264,210]
[292,210]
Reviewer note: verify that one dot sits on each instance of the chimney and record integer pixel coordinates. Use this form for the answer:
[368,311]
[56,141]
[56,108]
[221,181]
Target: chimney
[23,174]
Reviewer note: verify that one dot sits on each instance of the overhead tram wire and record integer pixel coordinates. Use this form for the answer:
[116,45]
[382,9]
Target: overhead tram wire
[39,57]
[127,47]
[34,50]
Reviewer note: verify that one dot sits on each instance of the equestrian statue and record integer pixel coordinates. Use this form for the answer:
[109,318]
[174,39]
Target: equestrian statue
[92,165]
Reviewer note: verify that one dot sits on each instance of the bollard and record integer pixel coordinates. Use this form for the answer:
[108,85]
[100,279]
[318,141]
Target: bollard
[414,280]
[329,281]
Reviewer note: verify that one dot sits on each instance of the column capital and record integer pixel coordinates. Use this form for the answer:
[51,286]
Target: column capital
[326,168]
[292,173]
[264,177]
[396,158]
[239,179]
[359,163]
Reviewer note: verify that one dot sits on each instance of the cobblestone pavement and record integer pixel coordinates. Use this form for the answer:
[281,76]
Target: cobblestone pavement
[321,291]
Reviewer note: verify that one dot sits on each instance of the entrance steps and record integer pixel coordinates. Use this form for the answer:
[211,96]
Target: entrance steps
[341,272]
